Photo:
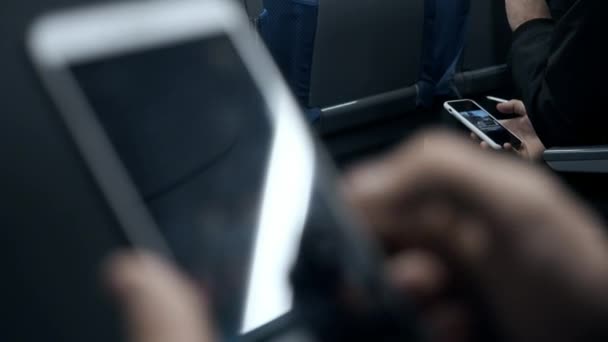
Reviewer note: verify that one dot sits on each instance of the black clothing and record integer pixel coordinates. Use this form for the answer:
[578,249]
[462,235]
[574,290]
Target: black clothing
[560,69]
[560,7]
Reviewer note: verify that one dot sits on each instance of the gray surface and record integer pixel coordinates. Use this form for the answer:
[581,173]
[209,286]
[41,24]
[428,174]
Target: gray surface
[582,166]
[480,81]
[489,37]
[254,7]
[364,48]
[366,110]
[58,228]
[586,160]
[577,153]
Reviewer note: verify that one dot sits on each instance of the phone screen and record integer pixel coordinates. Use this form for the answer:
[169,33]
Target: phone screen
[192,129]
[481,119]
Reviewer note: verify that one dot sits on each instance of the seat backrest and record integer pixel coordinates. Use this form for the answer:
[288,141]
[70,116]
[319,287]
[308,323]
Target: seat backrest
[364,48]
[289,27]
[488,38]
[445,26]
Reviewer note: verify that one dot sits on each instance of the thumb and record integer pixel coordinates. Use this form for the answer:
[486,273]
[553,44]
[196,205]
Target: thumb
[512,107]
[158,304]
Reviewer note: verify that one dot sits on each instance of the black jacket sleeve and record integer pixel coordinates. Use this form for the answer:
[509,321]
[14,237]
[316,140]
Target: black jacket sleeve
[559,69]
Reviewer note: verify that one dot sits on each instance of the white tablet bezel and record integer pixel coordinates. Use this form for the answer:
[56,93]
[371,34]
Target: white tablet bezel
[58,40]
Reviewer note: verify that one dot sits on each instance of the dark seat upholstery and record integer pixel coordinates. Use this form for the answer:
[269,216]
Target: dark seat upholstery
[486,48]
[289,28]
[445,28]
[57,230]
[366,60]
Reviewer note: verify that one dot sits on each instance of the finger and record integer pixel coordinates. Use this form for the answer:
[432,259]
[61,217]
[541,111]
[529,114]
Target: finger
[468,240]
[365,189]
[484,145]
[506,107]
[512,107]
[418,274]
[450,231]
[450,322]
[474,136]
[158,303]
[507,147]
[438,162]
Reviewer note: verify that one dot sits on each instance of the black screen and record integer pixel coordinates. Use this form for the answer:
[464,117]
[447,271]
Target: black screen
[485,123]
[193,131]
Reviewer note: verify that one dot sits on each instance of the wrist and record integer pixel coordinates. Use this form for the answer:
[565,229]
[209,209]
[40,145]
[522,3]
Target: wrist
[533,26]
[530,18]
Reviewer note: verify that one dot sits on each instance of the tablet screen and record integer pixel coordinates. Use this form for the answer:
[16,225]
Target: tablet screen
[193,131]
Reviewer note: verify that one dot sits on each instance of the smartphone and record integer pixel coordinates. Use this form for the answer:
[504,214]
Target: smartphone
[202,155]
[482,123]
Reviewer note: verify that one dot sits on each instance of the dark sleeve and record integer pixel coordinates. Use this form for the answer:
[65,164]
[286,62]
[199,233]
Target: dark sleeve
[557,67]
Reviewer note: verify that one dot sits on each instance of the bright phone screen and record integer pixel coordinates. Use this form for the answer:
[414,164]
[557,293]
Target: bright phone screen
[485,123]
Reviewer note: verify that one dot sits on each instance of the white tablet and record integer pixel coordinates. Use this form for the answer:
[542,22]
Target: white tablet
[193,138]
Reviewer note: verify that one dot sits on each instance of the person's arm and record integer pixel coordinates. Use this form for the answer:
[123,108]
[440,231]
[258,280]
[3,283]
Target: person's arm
[556,67]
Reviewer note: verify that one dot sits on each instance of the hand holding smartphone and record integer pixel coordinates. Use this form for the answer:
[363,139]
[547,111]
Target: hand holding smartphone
[482,123]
